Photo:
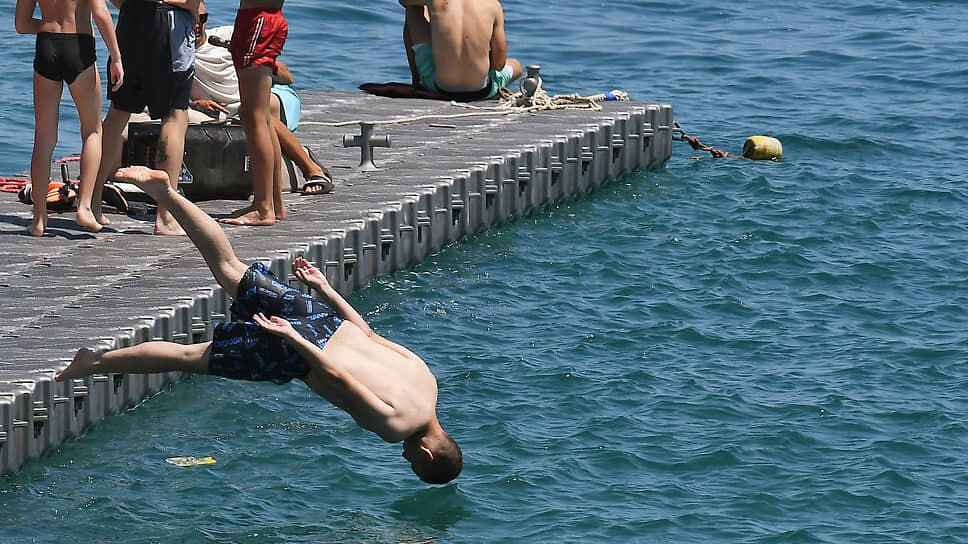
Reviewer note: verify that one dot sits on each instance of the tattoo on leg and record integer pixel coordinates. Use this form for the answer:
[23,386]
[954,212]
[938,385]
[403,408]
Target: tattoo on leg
[162,154]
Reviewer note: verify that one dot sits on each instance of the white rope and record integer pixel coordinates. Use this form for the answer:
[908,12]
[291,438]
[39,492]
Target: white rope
[510,103]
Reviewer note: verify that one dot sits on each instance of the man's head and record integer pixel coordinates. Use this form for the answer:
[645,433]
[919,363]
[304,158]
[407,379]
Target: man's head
[434,456]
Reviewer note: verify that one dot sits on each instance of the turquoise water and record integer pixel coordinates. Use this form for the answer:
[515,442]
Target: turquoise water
[721,351]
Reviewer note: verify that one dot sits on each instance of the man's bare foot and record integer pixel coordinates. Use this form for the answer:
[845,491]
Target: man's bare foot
[86,220]
[252,218]
[82,365]
[38,226]
[280,213]
[154,182]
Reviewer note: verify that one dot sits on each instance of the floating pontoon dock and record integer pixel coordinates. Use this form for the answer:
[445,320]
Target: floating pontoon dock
[444,178]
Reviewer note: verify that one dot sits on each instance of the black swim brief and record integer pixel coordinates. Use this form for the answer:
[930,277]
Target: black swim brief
[464,96]
[242,350]
[62,57]
[157,43]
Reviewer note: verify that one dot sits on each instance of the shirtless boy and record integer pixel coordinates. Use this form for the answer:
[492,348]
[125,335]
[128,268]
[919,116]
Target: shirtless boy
[65,54]
[457,48]
[287,334]
[257,40]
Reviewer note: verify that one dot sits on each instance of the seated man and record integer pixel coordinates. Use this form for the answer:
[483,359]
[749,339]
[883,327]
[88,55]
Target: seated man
[215,92]
[457,48]
[285,334]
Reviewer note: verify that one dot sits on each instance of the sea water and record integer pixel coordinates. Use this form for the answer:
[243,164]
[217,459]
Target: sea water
[720,351]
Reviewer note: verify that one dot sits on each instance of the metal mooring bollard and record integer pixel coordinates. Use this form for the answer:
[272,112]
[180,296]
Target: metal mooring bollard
[366,142]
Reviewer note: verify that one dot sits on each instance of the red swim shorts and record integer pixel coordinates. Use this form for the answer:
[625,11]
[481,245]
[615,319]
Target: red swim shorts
[258,38]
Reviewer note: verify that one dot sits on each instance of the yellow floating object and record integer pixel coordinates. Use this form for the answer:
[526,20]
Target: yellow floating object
[762,148]
[190,461]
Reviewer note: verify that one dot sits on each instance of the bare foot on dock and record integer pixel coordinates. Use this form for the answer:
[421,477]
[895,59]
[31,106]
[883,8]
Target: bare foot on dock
[252,218]
[38,226]
[82,365]
[86,220]
[250,215]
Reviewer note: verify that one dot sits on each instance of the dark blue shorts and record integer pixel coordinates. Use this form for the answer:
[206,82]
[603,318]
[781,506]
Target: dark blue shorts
[242,350]
[157,45]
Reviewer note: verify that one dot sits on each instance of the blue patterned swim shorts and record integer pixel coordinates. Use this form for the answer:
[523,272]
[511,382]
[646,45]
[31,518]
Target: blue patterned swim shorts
[242,350]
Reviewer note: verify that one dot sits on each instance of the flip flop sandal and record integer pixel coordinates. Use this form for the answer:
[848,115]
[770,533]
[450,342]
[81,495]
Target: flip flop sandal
[317,185]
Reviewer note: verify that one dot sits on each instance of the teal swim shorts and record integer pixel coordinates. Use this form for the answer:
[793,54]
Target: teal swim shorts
[424,58]
[291,109]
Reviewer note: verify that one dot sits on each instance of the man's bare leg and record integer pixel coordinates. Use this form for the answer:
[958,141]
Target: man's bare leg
[111,130]
[203,231]
[254,85]
[86,92]
[47,96]
[143,358]
[171,151]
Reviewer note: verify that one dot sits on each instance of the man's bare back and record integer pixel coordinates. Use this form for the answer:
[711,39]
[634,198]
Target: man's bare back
[467,37]
[398,378]
[61,17]
[461,33]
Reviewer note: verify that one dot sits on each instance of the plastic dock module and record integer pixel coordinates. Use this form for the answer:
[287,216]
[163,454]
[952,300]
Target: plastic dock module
[448,176]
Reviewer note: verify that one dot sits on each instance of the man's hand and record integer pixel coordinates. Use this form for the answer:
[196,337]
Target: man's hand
[276,325]
[309,274]
[210,106]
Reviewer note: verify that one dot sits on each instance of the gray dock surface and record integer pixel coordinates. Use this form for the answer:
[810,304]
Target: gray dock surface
[444,178]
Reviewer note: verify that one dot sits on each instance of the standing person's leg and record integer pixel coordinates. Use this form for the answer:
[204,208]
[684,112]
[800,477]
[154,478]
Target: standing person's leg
[86,92]
[111,141]
[203,231]
[47,94]
[278,206]
[170,153]
[254,85]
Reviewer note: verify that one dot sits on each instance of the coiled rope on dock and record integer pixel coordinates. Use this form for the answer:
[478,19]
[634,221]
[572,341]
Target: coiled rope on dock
[540,100]
[510,103]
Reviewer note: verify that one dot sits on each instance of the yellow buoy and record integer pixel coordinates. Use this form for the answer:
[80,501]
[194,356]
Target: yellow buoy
[762,148]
